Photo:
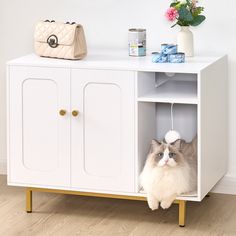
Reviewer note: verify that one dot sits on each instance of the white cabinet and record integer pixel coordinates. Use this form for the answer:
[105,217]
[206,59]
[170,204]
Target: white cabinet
[114,106]
[102,135]
[89,146]
[85,127]
[39,138]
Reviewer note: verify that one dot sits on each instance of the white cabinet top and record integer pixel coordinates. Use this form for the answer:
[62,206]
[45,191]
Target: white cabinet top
[118,60]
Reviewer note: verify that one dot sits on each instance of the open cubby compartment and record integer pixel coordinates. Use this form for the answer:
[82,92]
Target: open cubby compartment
[167,87]
[154,120]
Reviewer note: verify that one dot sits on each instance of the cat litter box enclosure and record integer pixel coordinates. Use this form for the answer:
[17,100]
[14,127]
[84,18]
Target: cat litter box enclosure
[84,127]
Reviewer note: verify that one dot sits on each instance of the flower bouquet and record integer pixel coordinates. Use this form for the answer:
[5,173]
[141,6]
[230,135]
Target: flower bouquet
[185,13]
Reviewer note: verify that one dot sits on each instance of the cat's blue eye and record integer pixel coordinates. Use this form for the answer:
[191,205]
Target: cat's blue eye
[171,154]
[161,154]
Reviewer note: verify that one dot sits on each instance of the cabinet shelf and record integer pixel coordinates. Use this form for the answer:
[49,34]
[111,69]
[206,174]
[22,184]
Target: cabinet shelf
[173,92]
[192,196]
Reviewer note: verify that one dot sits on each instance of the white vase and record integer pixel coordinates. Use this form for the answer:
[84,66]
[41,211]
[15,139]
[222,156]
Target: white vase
[185,41]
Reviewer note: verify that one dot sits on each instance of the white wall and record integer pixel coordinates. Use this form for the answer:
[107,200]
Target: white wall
[106,23]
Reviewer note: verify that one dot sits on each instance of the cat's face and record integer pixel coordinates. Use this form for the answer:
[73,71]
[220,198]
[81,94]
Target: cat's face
[167,155]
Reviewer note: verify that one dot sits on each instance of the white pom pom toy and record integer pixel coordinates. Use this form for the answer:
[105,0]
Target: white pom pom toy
[172,135]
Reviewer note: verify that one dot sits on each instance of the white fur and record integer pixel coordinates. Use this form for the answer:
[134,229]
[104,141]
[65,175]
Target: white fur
[163,181]
[166,160]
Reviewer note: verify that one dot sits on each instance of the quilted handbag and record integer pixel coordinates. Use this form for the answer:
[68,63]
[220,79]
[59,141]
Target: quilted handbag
[60,40]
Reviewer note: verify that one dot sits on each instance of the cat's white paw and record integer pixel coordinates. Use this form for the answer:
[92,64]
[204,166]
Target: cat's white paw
[165,204]
[153,205]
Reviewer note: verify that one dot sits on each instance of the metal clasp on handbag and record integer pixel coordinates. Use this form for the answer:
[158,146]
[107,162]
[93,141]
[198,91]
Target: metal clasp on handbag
[52,41]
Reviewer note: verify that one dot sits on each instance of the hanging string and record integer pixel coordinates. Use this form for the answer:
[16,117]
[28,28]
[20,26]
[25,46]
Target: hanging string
[172,118]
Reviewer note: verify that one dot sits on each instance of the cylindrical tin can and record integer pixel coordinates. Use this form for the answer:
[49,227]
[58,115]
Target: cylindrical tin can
[168,48]
[176,58]
[137,42]
[159,58]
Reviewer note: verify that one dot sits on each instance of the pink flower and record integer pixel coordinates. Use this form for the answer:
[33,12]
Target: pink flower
[171,14]
[194,3]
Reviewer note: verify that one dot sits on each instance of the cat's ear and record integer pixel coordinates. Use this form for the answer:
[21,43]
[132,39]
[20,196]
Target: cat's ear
[177,144]
[154,145]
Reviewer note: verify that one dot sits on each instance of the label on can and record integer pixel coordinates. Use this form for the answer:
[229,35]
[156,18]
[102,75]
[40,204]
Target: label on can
[137,42]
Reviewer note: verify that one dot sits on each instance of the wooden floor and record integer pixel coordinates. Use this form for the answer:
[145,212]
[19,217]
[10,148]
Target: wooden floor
[61,215]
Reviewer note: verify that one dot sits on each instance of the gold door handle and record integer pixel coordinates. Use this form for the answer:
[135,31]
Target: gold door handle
[75,113]
[62,112]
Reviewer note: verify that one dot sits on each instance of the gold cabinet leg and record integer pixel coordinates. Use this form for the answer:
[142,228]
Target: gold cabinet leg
[28,200]
[182,213]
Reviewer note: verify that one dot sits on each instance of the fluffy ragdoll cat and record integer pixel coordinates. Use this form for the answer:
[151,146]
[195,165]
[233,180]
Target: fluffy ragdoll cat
[170,170]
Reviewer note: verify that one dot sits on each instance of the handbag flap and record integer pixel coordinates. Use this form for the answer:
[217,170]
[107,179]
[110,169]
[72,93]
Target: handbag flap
[65,33]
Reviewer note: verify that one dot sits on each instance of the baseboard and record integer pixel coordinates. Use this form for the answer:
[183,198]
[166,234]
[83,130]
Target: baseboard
[3,166]
[226,185]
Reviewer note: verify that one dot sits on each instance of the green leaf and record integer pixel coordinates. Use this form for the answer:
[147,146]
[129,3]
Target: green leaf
[173,4]
[197,20]
[189,3]
[185,15]
[197,11]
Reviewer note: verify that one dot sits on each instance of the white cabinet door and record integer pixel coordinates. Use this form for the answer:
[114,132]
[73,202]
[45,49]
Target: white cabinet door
[39,138]
[102,135]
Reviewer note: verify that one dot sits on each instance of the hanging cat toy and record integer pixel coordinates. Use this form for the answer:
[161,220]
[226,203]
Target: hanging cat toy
[172,135]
